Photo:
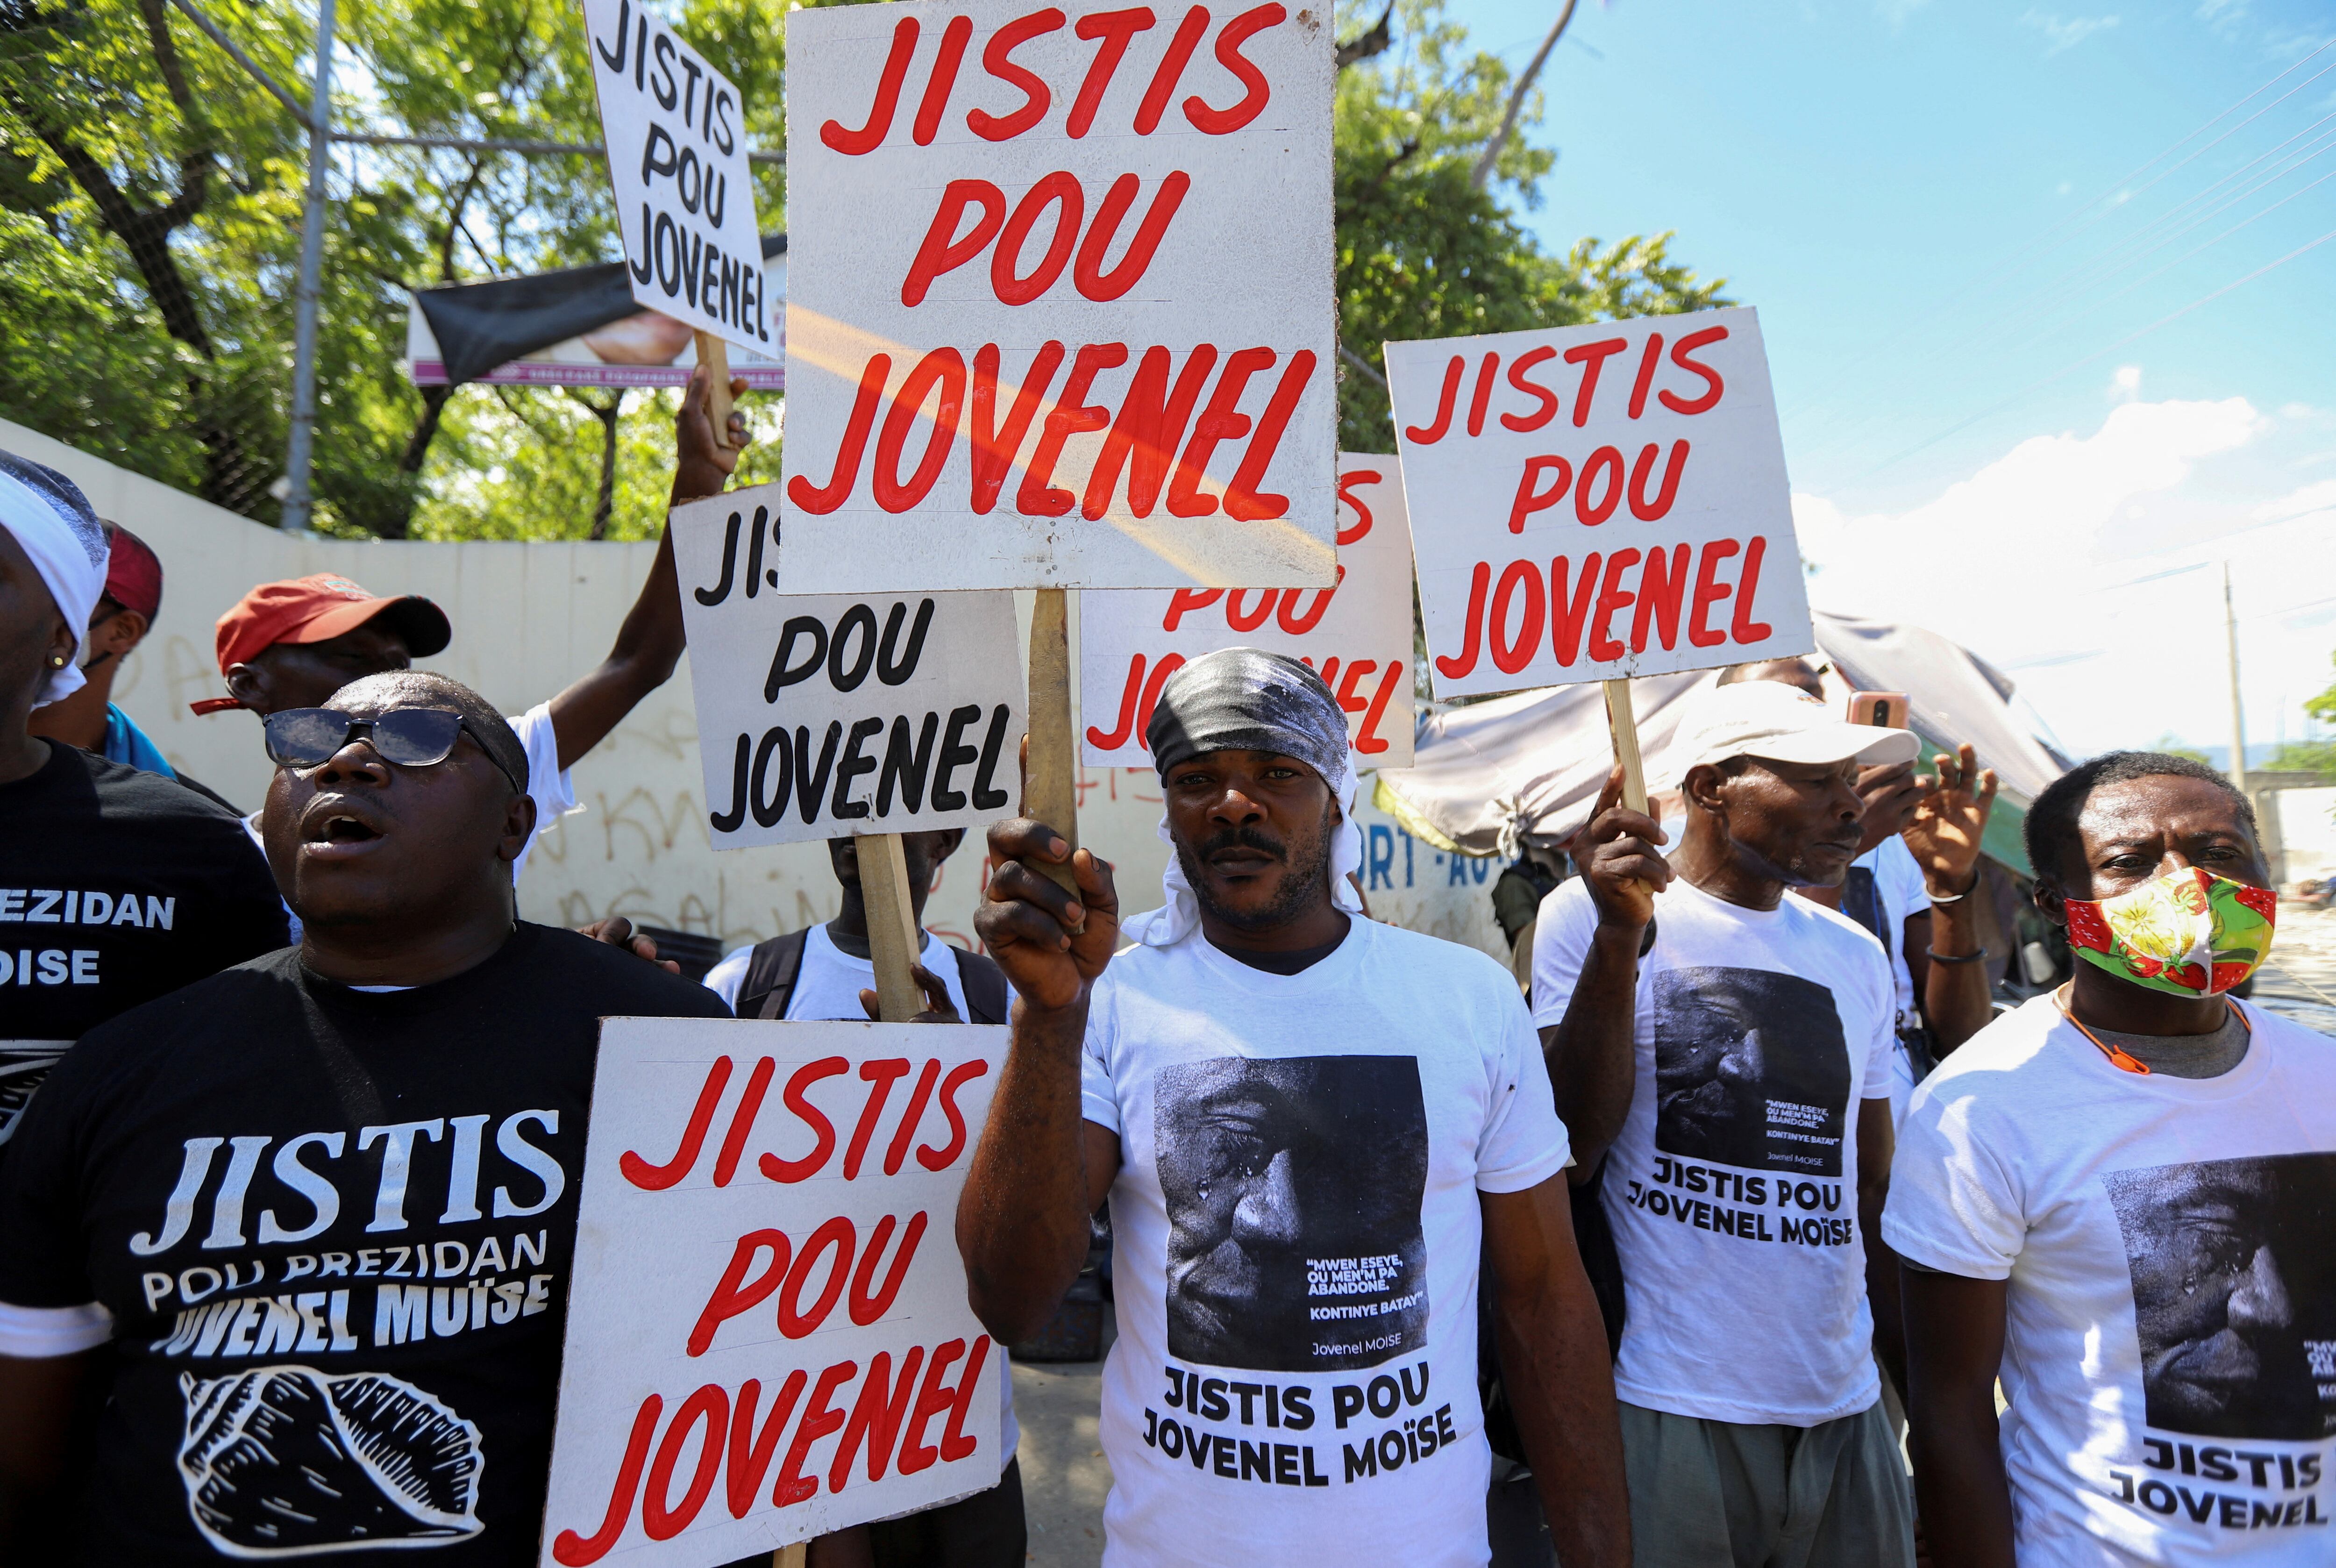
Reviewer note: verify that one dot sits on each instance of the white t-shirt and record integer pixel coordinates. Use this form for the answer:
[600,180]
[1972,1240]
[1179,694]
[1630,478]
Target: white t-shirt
[1297,1229]
[1733,1186]
[548,783]
[2170,1337]
[829,983]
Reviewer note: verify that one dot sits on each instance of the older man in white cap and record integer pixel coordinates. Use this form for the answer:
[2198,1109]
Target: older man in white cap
[1726,1051]
[116,885]
[1305,1123]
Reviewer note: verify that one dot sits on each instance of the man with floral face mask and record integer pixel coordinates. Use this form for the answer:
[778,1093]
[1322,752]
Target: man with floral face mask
[2121,1199]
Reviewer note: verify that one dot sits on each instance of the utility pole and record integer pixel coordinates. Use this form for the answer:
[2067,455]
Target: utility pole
[2238,768]
[297,450]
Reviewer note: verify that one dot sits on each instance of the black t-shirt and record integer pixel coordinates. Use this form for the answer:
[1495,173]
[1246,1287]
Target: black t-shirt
[335,1229]
[116,886]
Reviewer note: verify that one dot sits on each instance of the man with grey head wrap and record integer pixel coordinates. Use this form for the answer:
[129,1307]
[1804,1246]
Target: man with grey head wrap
[1308,1125]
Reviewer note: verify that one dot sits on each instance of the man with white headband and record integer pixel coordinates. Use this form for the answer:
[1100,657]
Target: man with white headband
[1308,1125]
[116,885]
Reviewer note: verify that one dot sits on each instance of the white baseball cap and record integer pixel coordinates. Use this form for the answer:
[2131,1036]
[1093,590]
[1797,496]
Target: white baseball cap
[1778,723]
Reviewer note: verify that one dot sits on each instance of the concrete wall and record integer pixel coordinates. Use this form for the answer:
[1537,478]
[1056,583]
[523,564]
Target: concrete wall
[530,617]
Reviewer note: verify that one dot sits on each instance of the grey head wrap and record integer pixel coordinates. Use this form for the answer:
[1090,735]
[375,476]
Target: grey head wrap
[1246,700]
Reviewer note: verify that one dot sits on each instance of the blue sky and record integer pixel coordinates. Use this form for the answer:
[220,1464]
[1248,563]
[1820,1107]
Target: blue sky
[1965,227]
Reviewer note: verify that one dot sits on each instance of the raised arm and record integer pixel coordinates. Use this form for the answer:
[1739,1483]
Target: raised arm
[1957,997]
[1554,1368]
[1591,1059]
[1040,1169]
[649,643]
[1954,1346]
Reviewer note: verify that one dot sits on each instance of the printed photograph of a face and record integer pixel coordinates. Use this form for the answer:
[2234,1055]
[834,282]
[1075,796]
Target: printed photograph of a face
[1750,1070]
[2234,1293]
[1293,1189]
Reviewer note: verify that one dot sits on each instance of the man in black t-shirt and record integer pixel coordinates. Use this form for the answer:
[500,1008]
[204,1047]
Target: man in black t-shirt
[116,885]
[322,1205]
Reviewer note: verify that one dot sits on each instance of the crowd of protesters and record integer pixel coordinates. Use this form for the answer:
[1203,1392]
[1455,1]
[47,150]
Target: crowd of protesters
[1755,1187]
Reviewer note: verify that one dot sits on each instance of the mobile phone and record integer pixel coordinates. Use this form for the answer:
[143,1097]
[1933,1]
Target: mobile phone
[1886,708]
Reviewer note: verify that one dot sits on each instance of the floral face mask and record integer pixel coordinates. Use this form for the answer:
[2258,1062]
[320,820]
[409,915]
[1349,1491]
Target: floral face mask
[2189,933]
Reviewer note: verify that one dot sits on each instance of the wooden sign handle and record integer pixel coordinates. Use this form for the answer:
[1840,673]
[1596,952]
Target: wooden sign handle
[714,354]
[1050,791]
[794,1557]
[893,940]
[1624,725]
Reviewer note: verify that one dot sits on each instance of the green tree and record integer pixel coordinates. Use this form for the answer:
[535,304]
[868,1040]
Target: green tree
[2316,756]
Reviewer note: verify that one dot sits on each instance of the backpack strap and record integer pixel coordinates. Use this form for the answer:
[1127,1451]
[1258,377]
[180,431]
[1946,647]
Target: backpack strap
[771,972]
[984,988]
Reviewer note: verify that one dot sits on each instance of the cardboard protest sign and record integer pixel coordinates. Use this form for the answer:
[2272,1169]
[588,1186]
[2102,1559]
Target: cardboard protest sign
[821,715]
[675,131]
[1060,311]
[769,1336]
[1357,634]
[1597,502]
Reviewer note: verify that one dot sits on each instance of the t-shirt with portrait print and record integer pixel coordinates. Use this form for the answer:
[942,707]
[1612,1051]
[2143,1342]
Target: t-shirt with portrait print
[1732,1186]
[331,1236]
[116,886]
[2170,1245]
[1297,1229]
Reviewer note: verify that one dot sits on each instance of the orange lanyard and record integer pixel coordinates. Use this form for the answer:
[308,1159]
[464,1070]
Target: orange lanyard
[2119,1057]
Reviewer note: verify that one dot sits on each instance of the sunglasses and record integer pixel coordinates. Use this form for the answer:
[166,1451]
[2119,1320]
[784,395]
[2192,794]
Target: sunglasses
[309,738]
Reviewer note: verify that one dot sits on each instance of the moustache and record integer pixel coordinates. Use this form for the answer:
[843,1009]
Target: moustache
[1243,838]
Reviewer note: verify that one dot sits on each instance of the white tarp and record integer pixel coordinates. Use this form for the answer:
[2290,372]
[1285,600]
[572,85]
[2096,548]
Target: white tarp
[768,1337]
[1531,764]
[1597,500]
[1061,311]
[820,715]
[1357,637]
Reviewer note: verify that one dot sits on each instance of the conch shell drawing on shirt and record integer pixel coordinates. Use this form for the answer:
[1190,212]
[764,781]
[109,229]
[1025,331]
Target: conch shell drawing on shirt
[286,1461]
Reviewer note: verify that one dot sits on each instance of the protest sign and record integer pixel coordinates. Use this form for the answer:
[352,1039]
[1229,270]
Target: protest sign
[675,132]
[1060,308]
[1357,636]
[1599,502]
[769,1337]
[827,714]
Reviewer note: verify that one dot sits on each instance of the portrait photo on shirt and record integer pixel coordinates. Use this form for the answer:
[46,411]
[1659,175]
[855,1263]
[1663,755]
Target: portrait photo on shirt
[1751,1070]
[2234,1293]
[1293,1188]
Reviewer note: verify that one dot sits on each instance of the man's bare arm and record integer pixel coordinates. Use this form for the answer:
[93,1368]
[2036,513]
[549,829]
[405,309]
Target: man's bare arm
[649,643]
[1040,1169]
[36,1408]
[1955,1345]
[1956,998]
[1591,1051]
[1555,1369]
[1876,1142]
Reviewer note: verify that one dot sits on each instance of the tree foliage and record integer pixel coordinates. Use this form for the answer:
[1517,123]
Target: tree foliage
[150,204]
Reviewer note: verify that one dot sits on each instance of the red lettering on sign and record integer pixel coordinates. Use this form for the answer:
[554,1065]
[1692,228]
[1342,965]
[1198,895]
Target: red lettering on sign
[735,1293]
[1661,586]
[1115,737]
[1298,625]
[1525,424]
[1611,598]
[867,1305]
[1458,669]
[937,90]
[879,1073]
[1188,598]
[1743,628]
[1111,30]
[818,500]
[1087,274]
[1187,38]
[944,249]
[917,1099]
[1219,420]
[822,1129]
[876,1416]
[1236,32]
[1649,511]
[871,136]
[1069,417]
[955,1444]
[939,1158]
[741,1122]
[1240,619]
[1530,500]
[661,1518]
[750,1453]
[1429,435]
[1608,462]
[1356,534]
[794,1321]
[575,1551]
[1484,394]
[1592,357]
[1708,592]
[993,447]
[819,1418]
[1649,359]
[657,1178]
[1569,616]
[996,59]
[1244,502]
[943,368]
[1060,188]
[1512,656]
[1367,739]
[1713,387]
[1356,669]
[1150,427]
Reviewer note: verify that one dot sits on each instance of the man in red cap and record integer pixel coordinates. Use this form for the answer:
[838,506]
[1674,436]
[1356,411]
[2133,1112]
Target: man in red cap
[292,644]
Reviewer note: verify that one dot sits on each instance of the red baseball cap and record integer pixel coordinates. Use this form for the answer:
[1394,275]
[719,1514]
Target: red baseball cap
[133,573]
[318,609]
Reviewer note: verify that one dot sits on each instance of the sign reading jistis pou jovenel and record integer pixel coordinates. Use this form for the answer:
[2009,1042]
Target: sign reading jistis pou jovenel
[1060,308]
[1599,501]
[1357,634]
[769,1337]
